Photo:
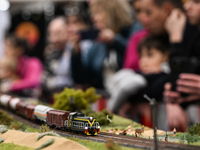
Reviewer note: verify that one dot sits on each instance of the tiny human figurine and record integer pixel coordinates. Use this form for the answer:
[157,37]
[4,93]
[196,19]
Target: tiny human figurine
[116,131]
[174,131]
[136,135]
[129,128]
[166,139]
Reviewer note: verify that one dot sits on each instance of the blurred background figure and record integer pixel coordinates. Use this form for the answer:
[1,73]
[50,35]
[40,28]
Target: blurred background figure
[105,57]
[81,36]
[29,69]
[4,27]
[150,80]
[140,14]
[57,73]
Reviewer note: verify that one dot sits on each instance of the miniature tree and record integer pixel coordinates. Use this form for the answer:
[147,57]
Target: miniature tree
[101,117]
[77,98]
[194,130]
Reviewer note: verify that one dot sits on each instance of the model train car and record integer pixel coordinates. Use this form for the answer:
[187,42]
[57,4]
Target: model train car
[65,120]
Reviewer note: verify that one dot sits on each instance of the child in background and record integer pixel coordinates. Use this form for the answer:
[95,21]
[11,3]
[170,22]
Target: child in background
[127,84]
[8,69]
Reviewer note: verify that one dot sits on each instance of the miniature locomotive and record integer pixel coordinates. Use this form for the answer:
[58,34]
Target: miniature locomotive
[65,120]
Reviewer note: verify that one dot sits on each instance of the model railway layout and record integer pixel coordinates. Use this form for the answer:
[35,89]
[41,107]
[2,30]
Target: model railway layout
[65,120]
[29,114]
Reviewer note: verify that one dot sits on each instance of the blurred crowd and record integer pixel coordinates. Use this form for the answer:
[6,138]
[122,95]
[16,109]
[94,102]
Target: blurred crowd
[126,48]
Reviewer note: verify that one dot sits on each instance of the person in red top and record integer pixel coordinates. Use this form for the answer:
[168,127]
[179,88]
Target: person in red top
[29,69]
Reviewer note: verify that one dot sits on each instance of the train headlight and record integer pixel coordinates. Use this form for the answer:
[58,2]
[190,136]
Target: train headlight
[99,129]
[86,129]
[90,118]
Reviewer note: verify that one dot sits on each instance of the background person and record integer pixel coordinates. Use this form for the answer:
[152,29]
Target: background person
[114,22]
[29,69]
[57,73]
[187,46]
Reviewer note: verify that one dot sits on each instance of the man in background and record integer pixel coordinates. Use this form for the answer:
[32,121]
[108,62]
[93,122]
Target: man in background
[57,56]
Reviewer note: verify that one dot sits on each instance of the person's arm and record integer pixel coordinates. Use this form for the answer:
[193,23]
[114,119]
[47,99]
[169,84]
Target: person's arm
[32,76]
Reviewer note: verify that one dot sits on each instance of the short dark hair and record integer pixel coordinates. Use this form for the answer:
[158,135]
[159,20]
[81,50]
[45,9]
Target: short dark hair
[17,42]
[160,42]
[175,3]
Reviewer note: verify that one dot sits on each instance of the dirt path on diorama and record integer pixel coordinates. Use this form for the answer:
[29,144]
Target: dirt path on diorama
[29,140]
[149,133]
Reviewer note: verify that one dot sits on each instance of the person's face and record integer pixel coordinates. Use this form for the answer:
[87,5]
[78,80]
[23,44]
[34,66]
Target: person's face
[99,19]
[58,34]
[11,51]
[140,13]
[74,25]
[156,16]
[192,8]
[150,60]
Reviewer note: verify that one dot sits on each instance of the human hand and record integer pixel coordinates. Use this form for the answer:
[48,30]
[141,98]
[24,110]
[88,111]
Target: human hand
[187,83]
[176,116]
[106,35]
[175,25]
[190,84]
[170,96]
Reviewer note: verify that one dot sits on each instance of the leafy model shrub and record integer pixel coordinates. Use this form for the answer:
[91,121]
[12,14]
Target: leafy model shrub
[101,117]
[79,98]
[194,130]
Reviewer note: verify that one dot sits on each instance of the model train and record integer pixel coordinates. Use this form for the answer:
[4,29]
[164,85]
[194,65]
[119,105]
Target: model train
[65,120]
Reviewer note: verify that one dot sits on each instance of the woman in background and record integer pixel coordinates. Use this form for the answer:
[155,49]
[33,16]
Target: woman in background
[114,21]
[29,69]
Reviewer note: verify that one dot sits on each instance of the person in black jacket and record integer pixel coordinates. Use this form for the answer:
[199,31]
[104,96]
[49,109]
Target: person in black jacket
[186,48]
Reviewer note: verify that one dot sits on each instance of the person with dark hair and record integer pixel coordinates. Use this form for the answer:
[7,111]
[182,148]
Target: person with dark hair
[184,97]
[29,69]
[153,74]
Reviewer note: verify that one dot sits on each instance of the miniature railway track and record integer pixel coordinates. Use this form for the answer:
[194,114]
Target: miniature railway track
[126,141]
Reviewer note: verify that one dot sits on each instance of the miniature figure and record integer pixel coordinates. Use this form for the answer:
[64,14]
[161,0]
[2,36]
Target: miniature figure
[174,131]
[166,140]
[116,131]
[129,128]
[136,135]
[140,131]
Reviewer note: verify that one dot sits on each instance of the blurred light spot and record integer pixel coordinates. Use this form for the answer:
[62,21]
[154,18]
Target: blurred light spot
[72,10]
[4,5]
[49,7]
[49,10]
[26,15]
[75,10]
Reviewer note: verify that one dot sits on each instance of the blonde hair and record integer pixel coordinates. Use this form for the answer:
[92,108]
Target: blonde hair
[118,13]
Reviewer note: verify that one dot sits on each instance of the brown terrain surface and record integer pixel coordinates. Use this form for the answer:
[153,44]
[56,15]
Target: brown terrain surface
[29,140]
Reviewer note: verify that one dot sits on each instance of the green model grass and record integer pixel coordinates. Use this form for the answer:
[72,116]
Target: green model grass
[11,146]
